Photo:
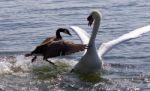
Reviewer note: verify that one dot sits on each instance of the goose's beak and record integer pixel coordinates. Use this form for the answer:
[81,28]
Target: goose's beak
[90,20]
[67,32]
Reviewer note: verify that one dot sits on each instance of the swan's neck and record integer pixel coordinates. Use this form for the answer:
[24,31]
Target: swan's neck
[95,30]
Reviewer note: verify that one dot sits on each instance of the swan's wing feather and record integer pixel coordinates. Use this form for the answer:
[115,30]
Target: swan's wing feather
[105,47]
[82,34]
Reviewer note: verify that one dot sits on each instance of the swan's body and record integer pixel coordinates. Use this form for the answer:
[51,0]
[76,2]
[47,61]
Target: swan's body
[92,61]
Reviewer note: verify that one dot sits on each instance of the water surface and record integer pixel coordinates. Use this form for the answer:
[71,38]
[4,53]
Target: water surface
[24,24]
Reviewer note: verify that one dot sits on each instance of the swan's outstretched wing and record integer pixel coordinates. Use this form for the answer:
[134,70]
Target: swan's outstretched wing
[105,47]
[82,34]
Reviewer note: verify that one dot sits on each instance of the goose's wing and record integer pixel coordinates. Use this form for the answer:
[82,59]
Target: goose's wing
[69,47]
[60,48]
[105,47]
[82,34]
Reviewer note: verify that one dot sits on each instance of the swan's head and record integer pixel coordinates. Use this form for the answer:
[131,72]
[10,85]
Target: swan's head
[64,30]
[94,15]
[90,20]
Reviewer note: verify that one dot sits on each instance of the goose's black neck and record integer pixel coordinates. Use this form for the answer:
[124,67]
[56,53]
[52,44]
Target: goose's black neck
[58,34]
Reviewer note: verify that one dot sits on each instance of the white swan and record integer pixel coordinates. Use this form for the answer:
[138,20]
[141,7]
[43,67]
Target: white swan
[92,60]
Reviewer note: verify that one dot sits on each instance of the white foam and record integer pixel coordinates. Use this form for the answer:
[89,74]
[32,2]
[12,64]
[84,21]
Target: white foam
[5,67]
[24,64]
[21,62]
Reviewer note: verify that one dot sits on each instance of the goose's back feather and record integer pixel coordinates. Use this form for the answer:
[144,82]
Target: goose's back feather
[49,40]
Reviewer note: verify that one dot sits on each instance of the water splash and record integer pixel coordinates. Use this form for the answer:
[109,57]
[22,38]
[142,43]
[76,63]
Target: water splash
[5,67]
[22,63]
[19,63]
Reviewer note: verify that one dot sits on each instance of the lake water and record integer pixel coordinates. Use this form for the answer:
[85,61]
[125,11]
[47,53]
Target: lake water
[25,23]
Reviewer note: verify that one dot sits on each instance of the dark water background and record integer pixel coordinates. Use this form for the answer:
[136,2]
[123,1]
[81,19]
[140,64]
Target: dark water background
[25,23]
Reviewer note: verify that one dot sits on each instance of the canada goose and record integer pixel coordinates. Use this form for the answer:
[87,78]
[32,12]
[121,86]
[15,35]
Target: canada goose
[56,46]
[92,62]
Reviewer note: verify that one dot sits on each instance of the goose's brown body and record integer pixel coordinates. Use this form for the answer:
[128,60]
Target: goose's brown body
[56,46]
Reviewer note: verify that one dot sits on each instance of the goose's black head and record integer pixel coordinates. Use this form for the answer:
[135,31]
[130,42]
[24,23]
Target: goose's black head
[64,30]
[90,20]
